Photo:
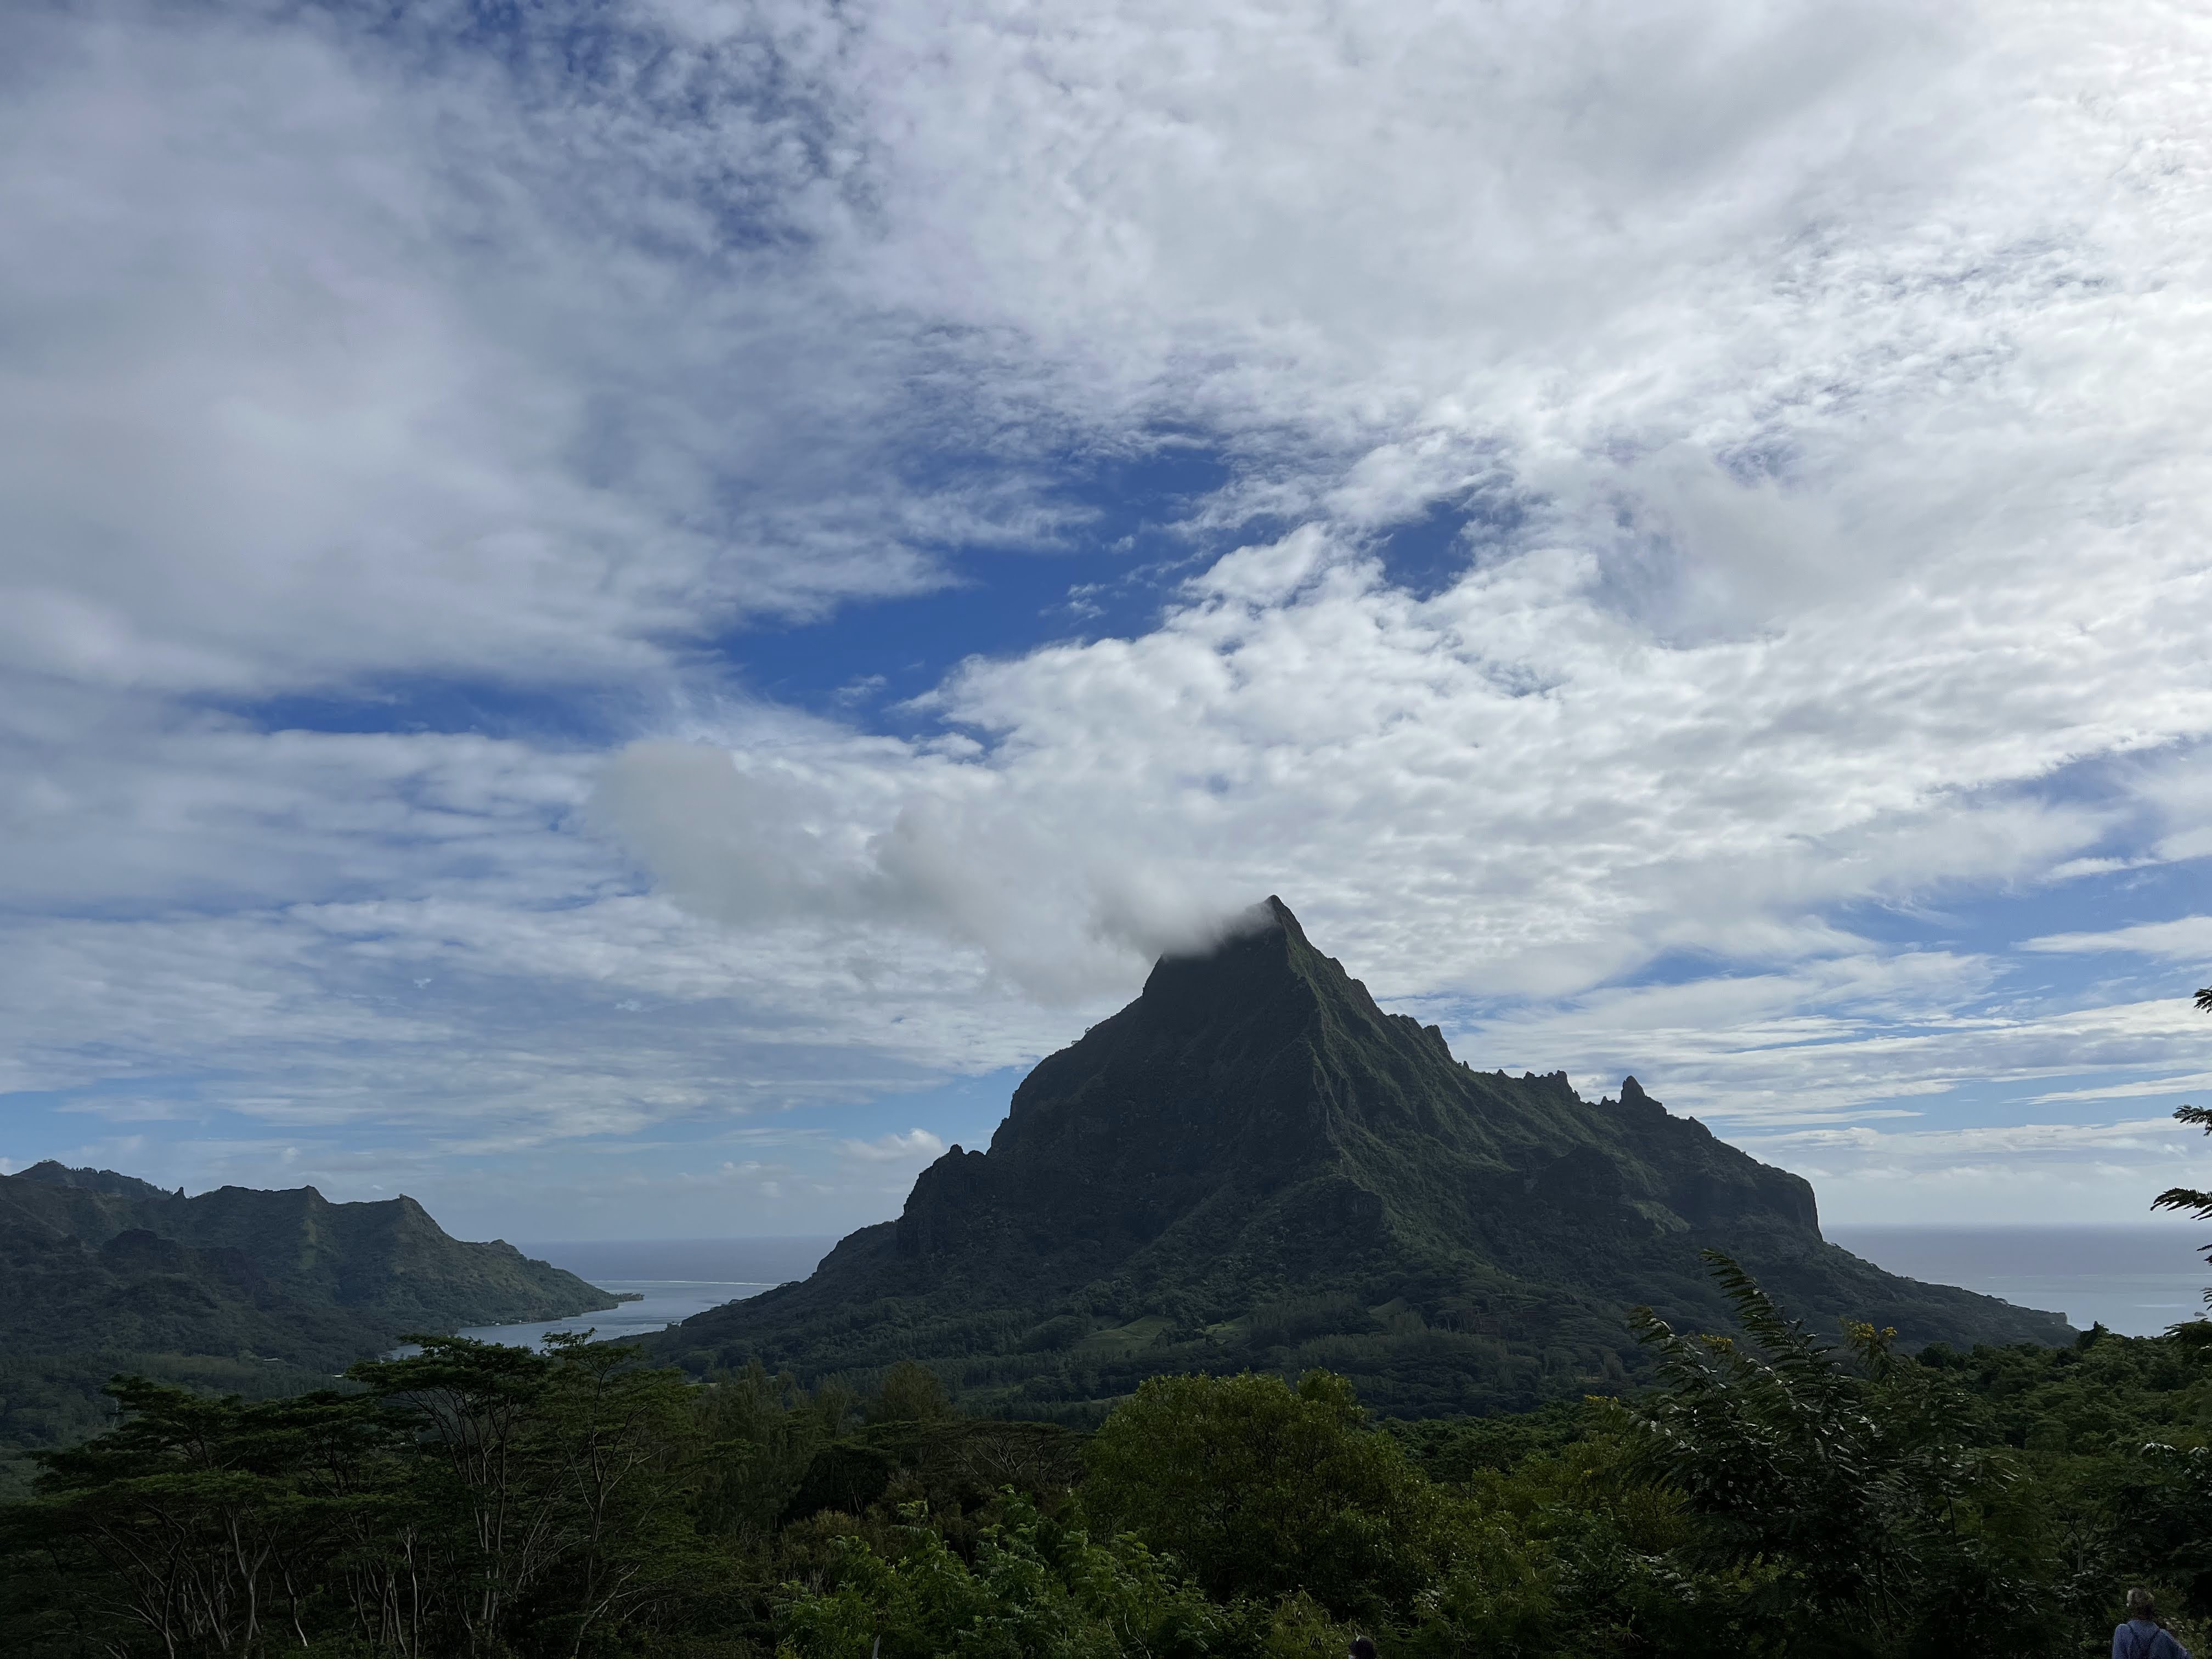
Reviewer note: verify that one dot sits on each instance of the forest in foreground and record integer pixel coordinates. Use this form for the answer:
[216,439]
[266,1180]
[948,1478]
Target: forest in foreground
[1770,1494]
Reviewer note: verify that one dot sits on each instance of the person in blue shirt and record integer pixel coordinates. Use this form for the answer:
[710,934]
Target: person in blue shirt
[2144,1635]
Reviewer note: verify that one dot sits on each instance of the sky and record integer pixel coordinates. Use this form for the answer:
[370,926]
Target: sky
[614,614]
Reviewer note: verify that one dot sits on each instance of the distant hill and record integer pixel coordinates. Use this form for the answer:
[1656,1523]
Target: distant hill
[1254,1165]
[257,1293]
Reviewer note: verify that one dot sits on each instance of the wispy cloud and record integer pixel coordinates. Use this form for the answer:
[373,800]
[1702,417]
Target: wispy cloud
[2184,938]
[914,1144]
[2036,1172]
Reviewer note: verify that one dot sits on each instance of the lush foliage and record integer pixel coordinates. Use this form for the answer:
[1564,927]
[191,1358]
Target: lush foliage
[1037,1586]
[1262,1489]
[461,1498]
[2197,1203]
[1769,1496]
[1857,1486]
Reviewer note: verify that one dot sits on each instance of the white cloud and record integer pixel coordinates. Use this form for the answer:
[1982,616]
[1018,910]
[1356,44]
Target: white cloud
[1717,287]
[914,1144]
[1377,759]
[1830,1039]
[2051,1173]
[2184,938]
[2116,1091]
[335,363]
[868,835]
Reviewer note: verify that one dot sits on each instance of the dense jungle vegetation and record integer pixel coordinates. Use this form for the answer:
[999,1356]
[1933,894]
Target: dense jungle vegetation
[1772,1494]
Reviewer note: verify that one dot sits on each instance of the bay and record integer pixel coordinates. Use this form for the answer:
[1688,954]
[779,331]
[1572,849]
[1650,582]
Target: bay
[671,1278]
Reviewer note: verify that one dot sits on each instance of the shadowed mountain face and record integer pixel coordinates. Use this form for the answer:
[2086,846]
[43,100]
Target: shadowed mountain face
[236,1289]
[1253,1165]
[388,1265]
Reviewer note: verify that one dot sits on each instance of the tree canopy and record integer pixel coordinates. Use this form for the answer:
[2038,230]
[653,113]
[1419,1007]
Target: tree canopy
[1770,1494]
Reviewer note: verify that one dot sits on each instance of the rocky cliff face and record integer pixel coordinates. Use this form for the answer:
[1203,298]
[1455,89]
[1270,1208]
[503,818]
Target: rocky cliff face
[1253,1165]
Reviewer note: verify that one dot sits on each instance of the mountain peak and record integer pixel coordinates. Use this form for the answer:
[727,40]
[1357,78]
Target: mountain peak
[50,1172]
[1252,1148]
[1261,966]
[1271,920]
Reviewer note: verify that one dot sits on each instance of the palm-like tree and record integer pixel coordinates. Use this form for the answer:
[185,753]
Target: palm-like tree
[2199,1203]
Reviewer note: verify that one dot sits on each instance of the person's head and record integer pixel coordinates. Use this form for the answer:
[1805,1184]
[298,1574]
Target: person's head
[2140,1606]
[1361,1648]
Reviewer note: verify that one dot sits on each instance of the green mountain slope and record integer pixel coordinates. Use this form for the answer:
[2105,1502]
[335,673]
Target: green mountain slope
[256,1293]
[1253,1165]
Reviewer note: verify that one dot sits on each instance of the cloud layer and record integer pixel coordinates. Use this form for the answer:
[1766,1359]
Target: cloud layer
[1703,570]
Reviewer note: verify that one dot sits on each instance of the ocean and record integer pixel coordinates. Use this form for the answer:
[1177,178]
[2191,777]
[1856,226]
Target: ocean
[2135,1280]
